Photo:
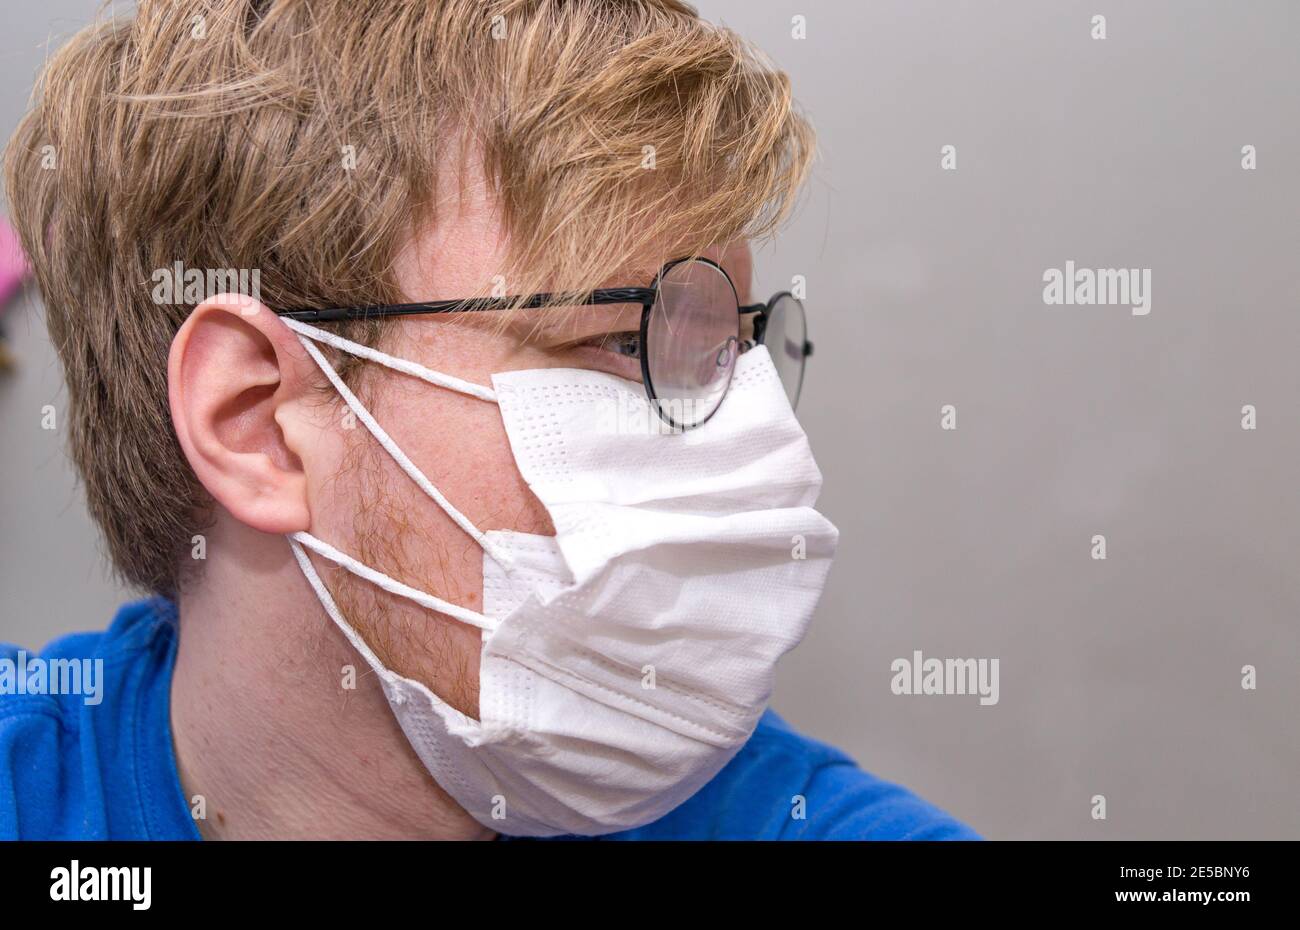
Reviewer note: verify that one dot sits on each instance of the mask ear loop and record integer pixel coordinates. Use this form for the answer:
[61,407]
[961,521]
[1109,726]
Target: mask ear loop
[405,366]
[331,608]
[308,333]
[391,585]
[390,679]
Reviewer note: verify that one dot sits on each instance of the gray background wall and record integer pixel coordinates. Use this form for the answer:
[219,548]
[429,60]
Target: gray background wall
[1119,677]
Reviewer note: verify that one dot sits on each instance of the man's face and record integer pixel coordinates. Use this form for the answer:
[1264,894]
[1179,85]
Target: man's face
[363,502]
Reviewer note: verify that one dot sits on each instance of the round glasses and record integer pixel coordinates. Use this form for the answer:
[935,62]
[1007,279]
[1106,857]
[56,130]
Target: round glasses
[689,339]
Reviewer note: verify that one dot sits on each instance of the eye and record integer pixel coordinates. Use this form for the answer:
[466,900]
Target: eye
[624,343]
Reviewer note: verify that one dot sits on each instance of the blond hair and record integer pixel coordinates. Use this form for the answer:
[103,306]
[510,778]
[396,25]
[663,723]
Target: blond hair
[217,134]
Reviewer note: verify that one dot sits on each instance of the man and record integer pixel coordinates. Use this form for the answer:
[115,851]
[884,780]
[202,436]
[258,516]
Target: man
[475,506]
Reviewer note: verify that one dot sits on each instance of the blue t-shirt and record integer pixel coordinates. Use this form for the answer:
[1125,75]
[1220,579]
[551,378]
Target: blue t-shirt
[99,764]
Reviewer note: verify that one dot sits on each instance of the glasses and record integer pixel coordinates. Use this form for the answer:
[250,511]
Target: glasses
[689,339]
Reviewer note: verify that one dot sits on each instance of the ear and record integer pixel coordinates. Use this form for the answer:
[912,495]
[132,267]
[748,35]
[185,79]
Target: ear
[236,378]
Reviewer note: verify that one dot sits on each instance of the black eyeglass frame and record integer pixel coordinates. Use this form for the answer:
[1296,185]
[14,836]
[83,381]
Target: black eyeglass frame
[645,296]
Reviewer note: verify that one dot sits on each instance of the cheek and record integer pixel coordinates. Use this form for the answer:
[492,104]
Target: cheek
[371,509]
[461,444]
[362,498]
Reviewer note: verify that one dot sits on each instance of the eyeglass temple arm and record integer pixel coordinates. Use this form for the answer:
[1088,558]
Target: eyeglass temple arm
[760,325]
[612,295]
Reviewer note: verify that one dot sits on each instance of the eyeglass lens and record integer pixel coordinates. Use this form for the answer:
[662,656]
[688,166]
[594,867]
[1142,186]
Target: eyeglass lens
[692,340]
[785,337]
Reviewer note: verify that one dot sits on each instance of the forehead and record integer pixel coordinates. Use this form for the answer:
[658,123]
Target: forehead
[461,249]
[463,253]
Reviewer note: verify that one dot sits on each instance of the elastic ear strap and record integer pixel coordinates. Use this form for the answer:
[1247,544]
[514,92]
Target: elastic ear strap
[399,456]
[327,601]
[413,369]
[391,585]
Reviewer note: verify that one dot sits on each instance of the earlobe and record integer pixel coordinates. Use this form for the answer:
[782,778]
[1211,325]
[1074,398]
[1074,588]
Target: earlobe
[236,376]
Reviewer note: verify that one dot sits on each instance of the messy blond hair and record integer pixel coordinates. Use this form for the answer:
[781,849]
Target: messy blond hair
[216,133]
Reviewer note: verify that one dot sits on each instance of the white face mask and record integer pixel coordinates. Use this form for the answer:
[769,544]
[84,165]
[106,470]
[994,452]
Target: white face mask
[626,659]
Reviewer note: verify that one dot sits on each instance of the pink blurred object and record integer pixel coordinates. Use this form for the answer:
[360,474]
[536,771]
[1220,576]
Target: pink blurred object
[13,264]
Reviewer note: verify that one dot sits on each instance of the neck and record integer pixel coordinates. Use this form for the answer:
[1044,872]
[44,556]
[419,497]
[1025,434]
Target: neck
[266,727]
